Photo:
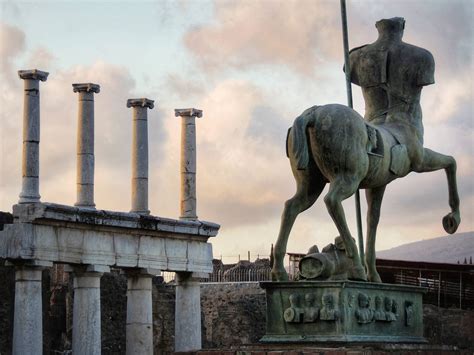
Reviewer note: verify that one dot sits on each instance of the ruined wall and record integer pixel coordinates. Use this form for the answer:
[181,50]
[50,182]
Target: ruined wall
[232,314]
[7,286]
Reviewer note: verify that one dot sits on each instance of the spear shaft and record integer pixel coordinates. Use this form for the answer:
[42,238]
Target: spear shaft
[347,71]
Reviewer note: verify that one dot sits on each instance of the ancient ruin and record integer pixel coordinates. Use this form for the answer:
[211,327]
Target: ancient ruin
[90,241]
[332,144]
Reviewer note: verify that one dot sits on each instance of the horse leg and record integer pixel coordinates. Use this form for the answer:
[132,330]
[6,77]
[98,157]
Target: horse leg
[340,189]
[374,202]
[433,161]
[308,190]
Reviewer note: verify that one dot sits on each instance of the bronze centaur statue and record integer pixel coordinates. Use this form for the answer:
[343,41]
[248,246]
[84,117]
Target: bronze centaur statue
[334,144]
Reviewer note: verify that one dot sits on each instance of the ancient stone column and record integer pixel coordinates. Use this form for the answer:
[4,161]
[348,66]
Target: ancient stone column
[140,154]
[85,144]
[31,134]
[139,326]
[28,313]
[188,162]
[187,335]
[86,336]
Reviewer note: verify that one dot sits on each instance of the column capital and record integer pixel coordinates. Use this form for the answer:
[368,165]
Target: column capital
[140,272]
[41,264]
[86,87]
[33,74]
[86,268]
[142,102]
[187,112]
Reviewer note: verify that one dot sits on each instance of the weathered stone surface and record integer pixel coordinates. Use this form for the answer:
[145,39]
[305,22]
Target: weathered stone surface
[33,74]
[140,154]
[233,315]
[334,144]
[187,313]
[28,320]
[86,88]
[31,134]
[188,162]
[108,238]
[342,311]
[85,144]
[139,328]
[86,313]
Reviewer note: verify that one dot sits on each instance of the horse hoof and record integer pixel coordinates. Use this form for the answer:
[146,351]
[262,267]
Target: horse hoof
[451,222]
[375,277]
[279,276]
[358,274]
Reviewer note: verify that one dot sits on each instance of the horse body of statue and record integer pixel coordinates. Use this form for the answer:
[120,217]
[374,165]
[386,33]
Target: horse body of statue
[334,144]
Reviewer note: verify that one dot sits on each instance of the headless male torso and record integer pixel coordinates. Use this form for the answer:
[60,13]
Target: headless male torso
[391,74]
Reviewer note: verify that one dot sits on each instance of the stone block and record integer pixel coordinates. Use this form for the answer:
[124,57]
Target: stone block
[97,248]
[177,254]
[342,311]
[152,253]
[70,244]
[126,250]
[84,236]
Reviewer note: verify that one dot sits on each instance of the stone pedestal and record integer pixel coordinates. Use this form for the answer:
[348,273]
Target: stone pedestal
[86,334]
[31,135]
[139,326]
[343,311]
[28,316]
[187,313]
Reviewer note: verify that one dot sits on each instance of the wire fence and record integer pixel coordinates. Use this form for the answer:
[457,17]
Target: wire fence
[234,274]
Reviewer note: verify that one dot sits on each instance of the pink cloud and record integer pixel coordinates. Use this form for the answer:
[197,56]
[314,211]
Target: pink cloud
[246,33]
[12,44]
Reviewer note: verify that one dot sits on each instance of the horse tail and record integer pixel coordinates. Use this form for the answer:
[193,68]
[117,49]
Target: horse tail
[299,148]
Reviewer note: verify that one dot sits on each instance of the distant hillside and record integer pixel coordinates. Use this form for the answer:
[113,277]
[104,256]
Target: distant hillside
[448,249]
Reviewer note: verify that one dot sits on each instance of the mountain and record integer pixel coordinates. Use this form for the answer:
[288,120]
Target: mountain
[448,249]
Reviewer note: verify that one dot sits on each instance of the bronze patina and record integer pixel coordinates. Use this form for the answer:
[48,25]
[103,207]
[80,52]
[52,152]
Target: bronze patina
[333,144]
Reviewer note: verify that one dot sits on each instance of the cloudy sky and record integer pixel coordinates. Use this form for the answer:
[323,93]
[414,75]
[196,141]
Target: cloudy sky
[252,67]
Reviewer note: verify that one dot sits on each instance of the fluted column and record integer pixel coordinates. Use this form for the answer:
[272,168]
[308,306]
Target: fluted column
[85,144]
[140,154]
[31,134]
[188,162]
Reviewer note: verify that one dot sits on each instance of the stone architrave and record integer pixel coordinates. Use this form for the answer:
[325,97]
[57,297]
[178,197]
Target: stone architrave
[28,312]
[85,144]
[140,154]
[86,331]
[188,162]
[139,328]
[187,312]
[31,134]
